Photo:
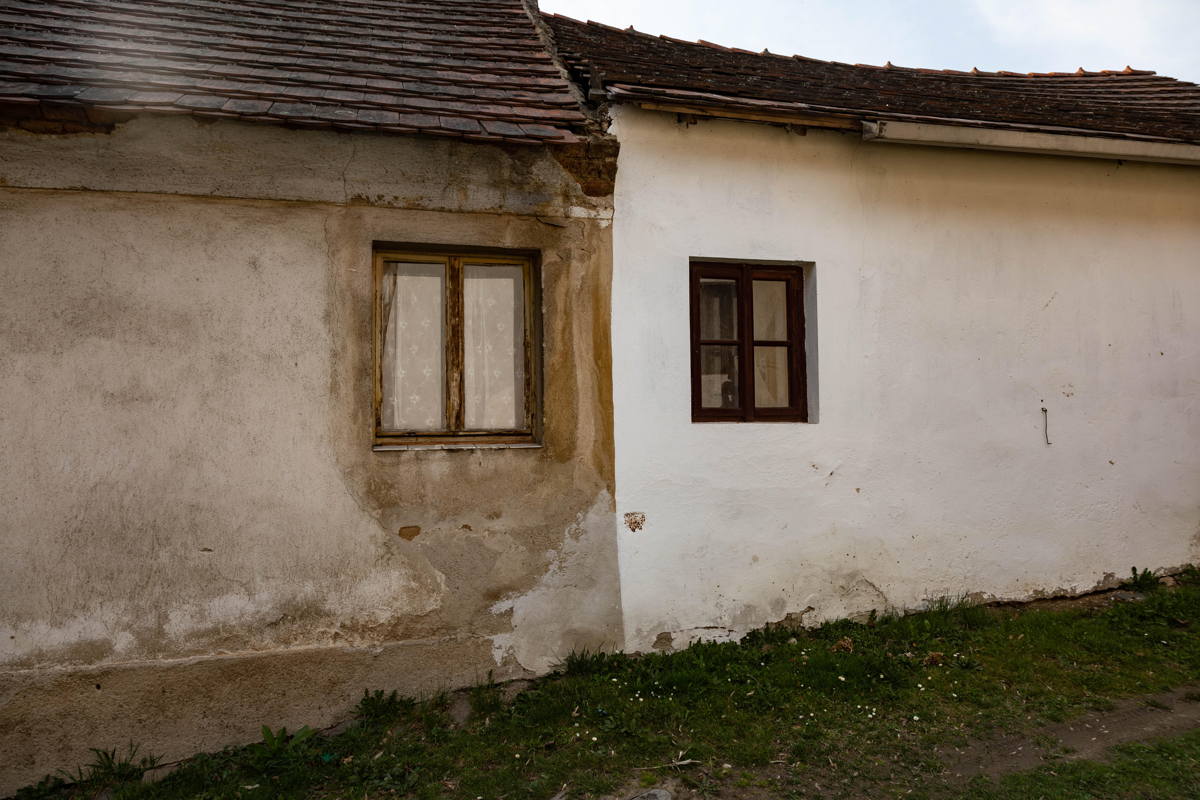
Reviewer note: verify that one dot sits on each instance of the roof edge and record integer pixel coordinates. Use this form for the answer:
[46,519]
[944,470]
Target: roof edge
[1041,143]
[819,116]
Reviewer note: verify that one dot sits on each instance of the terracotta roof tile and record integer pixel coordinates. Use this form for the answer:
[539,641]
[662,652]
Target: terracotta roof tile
[625,65]
[436,66]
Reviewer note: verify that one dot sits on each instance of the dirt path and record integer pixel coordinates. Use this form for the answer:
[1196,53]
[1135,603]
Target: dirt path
[1086,737]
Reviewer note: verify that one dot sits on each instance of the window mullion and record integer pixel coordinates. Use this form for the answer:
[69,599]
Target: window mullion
[531,374]
[455,379]
[746,334]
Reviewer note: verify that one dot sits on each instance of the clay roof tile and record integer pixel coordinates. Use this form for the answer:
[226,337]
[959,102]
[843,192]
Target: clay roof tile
[457,63]
[636,67]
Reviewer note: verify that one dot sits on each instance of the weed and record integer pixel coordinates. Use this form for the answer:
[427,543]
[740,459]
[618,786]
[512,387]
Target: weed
[109,769]
[47,787]
[377,707]
[278,748]
[586,662]
[1144,581]
[486,698]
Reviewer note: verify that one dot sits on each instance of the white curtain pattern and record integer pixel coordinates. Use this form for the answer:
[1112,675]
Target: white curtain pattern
[414,342]
[494,346]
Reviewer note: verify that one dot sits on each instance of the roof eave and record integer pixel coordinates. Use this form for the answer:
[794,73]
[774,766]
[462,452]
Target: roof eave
[40,115]
[1016,141]
[960,133]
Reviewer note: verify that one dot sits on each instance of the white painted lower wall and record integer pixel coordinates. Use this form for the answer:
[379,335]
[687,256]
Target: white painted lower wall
[957,294]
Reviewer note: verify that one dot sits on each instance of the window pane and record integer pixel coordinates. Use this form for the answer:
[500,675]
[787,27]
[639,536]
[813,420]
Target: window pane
[771,377]
[494,344]
[718,308]
[719,376]
[413,358]
[770,310]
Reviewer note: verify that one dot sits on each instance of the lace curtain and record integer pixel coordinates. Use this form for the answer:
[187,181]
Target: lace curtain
[414,342]
[494,344]
[414,362]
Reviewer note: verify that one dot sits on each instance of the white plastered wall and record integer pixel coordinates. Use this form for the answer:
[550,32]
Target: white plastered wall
[957,294]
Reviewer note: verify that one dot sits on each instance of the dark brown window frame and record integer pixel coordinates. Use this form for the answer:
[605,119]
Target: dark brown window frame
[745,273]
[455,434]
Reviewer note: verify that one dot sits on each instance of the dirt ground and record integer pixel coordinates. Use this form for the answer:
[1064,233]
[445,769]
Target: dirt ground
[1087,737]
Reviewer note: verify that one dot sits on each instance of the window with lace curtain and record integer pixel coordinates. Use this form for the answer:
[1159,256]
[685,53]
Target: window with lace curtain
[455,358]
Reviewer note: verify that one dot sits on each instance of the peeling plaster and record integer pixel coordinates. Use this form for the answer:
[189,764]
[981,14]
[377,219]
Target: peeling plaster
[566,610]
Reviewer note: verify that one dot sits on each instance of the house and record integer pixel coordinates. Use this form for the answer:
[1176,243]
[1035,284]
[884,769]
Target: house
[885,334]
[212,521]
[344,349]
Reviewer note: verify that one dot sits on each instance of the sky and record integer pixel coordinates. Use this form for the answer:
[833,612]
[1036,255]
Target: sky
[1016,35]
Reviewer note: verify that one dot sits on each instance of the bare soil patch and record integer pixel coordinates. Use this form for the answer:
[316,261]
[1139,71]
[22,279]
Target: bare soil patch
[1087,737]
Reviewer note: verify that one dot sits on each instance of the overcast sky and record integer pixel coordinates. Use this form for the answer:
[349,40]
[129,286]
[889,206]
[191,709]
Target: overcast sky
[1017,35]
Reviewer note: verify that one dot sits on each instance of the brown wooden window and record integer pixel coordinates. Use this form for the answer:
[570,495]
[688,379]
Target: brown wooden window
[747,343]
[455,348]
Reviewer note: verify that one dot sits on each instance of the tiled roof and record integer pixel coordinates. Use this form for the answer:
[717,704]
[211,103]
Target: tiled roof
[470,68]
[625,65]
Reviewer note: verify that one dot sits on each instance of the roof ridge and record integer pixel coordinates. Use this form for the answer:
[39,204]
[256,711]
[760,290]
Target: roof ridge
[765,52]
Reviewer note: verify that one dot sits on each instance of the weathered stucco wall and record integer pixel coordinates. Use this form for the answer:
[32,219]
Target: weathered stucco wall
[957,294]
[198,539]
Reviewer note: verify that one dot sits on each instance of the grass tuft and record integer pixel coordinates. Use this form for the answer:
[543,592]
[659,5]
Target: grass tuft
[379,707]
[1144,581]
[109,770]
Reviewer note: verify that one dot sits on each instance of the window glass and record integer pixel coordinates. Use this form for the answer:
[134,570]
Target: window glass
[413,358]
[771,377]
[494,346]
[770,311]
[718,308]
[719,376]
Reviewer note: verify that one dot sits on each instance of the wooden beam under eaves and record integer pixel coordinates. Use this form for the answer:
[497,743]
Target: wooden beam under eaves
[807,120]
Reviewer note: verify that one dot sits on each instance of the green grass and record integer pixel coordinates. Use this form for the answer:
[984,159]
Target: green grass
[855,708]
